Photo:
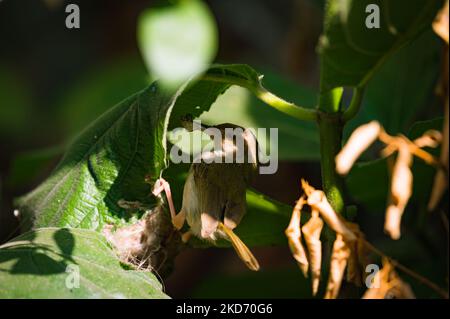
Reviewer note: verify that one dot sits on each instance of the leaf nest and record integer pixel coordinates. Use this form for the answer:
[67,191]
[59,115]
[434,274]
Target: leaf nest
[150,244]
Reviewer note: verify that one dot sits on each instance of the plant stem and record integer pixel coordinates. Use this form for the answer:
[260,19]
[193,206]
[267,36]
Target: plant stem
[330,130]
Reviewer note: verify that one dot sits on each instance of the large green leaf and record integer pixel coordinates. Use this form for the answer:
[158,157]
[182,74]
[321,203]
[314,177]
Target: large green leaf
[111,159]
[351,52]
[402,91]
[45,263]
[104,164]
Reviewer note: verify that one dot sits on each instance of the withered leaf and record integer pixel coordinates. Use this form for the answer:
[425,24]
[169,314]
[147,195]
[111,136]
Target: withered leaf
[294,234]
[339,258]
[318,201]
[440,24]
[358,257]
[311,230]
[401,189]
[358,142]
[430,138]
[388,285]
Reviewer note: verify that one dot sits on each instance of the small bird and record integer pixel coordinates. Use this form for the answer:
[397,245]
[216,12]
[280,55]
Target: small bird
[214,195]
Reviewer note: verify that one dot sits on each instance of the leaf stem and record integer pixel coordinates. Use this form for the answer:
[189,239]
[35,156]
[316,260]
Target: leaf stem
[281,105]
[298,112]
[355,104]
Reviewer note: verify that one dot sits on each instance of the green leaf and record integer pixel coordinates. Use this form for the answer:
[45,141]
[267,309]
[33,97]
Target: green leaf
[106,163]
[112,157]
[265,222]
[177,41]
[44,264]
[198,96]
[351,52]
[402,91]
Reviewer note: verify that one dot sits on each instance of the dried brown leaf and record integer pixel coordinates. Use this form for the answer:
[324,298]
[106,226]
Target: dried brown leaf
[358,142]
[294,234]
[401,189]
[358,257]
[311,230]
[430,138]
[440,24]
[388,285]
[317,200]
[339,258]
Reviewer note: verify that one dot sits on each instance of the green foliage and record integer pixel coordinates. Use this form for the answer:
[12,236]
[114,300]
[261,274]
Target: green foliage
[177,41]
[41,264]
[107,162]
[351,53]
[403,88]
[396,106]
[111,159]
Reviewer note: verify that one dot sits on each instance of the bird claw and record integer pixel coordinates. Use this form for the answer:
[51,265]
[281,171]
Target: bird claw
[177,219]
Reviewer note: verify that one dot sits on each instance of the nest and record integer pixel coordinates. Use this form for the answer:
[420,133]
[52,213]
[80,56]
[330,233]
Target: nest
[150,244]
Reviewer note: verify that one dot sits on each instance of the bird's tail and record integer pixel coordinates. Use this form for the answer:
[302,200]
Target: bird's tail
[241,249]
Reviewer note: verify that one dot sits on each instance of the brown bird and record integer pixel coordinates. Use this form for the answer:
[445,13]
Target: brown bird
[214,195]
